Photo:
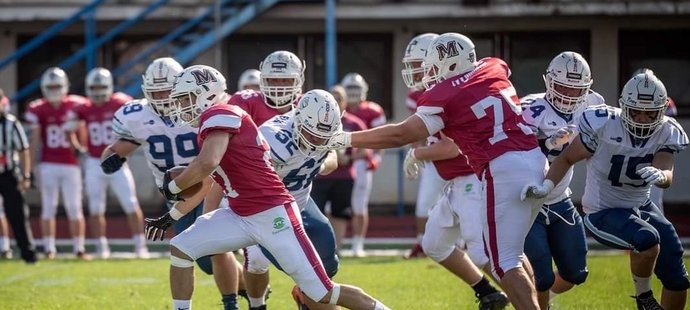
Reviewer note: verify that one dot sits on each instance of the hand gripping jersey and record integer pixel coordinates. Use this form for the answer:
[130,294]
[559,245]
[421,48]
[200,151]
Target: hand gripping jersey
[296,169]
[350,123]
[99,122]
[480,111]
[245,172]
[253,103]
[56,147]
[612,181]
[546,121]
[165,145]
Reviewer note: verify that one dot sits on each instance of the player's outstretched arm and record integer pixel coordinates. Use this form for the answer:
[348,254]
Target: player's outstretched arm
[572,154]
[393,135]
[661,171]
[445,148]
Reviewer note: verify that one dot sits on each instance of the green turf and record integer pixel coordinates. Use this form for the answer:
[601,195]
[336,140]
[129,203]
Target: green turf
[401,284]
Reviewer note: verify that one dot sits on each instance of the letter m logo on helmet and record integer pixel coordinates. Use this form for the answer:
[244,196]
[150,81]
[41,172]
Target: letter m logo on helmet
[448,50]
[203,76]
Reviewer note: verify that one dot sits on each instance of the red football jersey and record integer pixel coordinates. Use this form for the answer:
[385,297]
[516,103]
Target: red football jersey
[246,175]
[56,147]
[481,112]
[370,113]
[350,123]
[447,168]
[99,122]
[412,98]
[253,103]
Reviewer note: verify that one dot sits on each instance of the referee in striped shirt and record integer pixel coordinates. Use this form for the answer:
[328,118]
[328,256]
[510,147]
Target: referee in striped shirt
[15,178]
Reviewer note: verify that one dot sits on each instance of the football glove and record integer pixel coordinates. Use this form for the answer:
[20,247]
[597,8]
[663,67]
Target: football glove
[536,191]
[155,228]
[411,165]
[561,137]
[112,164]
[165,189]
[340,140]
[652,175]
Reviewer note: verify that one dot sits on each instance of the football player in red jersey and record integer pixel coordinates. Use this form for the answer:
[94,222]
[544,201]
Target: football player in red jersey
[474,103]
[59,168]
[98,115]
[372,115]
[261,209]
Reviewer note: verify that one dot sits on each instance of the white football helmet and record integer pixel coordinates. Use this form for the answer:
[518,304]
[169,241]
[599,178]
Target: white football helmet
[99,85]
[568,79]
[195,90]
[356,88]
[281,65]
[54,85]
[159,77]
[643,93]
[316,120]
[448,55]
[415,51]
[249,79]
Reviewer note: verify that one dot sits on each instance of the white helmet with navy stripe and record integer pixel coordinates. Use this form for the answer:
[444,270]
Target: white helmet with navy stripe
[568,79]
[317,119]
[415,51]
[643,93]
[195,90]
[281,65]
[159,77]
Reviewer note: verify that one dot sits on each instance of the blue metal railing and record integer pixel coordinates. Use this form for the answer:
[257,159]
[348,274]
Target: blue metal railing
[167,39]
[69,62]
[49,33]
[213,36]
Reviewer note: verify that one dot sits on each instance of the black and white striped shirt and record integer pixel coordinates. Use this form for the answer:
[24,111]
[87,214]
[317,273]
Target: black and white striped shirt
[12,140]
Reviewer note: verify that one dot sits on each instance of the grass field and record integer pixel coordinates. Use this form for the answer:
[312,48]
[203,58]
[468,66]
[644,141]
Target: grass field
[401,284]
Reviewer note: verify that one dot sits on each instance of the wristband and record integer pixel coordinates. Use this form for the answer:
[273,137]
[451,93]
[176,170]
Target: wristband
[175,214]
[172,186]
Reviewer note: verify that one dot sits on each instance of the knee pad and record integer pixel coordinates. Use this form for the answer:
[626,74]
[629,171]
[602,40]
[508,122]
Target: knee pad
[544,281]
[331,265]
[676,282]
[577,277]
[205,264]
[256,262]
[644,239]
[436,250]
[180,262]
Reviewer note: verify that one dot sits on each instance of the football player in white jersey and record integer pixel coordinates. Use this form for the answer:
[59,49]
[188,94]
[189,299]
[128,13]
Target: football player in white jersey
[629,150]
[293,138]
[558,234]
[146,123]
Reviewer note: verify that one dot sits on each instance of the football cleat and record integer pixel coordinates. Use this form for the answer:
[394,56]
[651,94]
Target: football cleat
[646,301]
[493,301]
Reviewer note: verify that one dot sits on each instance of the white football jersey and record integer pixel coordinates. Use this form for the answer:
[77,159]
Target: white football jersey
[612,180]
[165,145]
[545,121]
[296,169]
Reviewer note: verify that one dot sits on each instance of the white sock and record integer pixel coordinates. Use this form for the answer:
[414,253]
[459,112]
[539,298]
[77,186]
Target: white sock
[380,306]
[102,243]
[4,243]
[642,285]
[182,304]
[49,244]
[139,241]
[78,244]
[419,238]
[256,302]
